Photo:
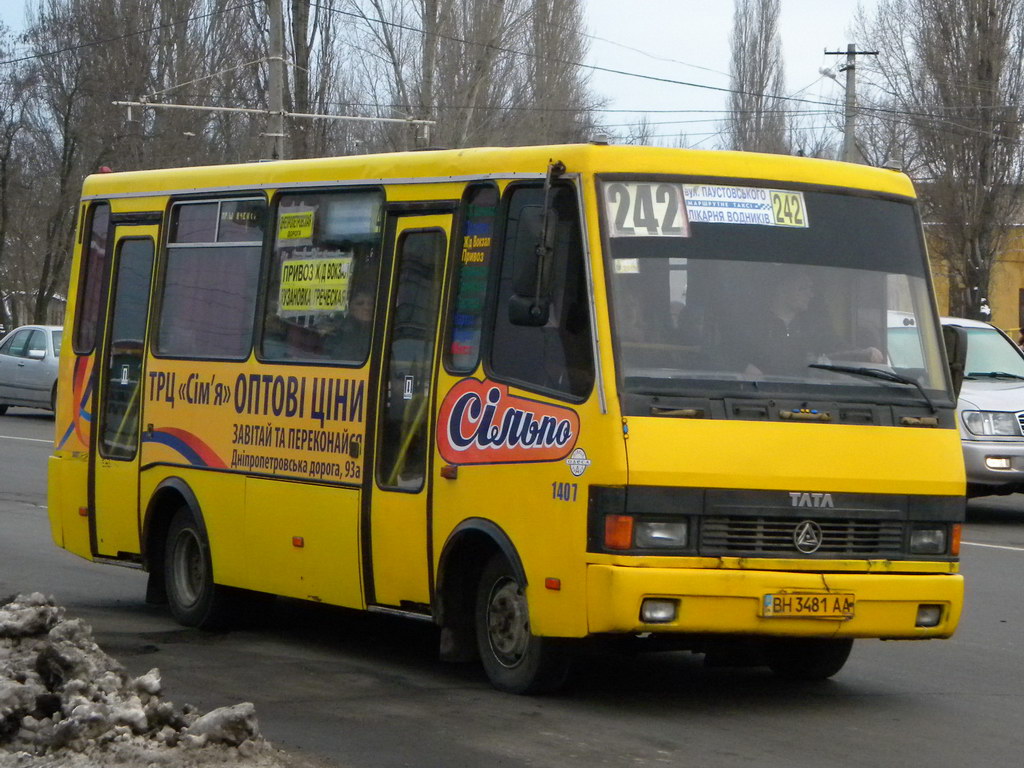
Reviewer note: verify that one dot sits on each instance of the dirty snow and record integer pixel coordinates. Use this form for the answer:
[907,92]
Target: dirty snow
[64,702]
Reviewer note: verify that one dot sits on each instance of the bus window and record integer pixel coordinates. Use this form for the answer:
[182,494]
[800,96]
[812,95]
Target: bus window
[323,277]
[119,425]
[91,284]
[403,448]
[558,356]
[209,285]
[474,247]
[732,301]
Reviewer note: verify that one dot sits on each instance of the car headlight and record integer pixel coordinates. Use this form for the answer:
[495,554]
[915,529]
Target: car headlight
[991,423]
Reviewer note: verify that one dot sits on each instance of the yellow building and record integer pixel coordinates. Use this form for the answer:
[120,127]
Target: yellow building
[1006,291]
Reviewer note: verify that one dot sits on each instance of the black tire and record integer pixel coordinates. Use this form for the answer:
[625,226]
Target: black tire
[515,660]
[806,659]
[195,600]
[3,409]
[53,398]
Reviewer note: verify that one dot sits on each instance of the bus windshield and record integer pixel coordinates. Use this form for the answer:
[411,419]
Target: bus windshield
[738,289]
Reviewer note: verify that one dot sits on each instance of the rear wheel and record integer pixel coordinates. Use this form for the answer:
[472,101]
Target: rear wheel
[53,398]
[799,658]
[3,410]
[515,660]
[195,600]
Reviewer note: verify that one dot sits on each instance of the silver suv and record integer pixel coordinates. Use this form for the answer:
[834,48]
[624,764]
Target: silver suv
[991,410]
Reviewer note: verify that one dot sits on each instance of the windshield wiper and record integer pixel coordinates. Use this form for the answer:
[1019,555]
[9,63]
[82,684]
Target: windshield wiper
[994,375]
[878,373]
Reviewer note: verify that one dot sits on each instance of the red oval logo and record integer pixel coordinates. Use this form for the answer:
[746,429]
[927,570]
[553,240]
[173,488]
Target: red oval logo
[481,423]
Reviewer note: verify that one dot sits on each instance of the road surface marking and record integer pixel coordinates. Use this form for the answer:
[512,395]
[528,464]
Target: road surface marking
[992,546]
[30,439]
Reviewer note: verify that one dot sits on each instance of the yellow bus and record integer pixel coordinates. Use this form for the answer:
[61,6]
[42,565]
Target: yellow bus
[533,395]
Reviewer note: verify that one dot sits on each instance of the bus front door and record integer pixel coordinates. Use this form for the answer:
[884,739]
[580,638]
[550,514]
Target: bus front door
[114,486]
[397,567]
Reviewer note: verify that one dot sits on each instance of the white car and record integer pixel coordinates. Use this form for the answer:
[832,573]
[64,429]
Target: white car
[990,411]
[28,366]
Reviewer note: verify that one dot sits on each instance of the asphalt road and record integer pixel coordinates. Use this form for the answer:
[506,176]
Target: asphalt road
[355,690]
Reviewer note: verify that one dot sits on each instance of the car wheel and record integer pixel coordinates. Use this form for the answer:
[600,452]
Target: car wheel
[3,409]
[805,659]
[194,599]
[53,398]
[515,660]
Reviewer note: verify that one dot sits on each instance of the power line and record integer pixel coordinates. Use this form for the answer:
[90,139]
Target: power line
[656,58]
[126,35]
[555,60]
[833,104]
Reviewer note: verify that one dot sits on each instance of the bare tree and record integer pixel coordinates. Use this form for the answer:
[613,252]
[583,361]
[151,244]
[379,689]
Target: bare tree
[488,71]
[953,70]
[757,120]
[14,93]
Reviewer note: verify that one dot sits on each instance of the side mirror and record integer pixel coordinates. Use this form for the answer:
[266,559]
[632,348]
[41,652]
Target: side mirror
[37,354]
[955,339]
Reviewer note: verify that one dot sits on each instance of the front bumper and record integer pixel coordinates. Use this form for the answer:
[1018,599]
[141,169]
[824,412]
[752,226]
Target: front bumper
[976,454]
[729,601]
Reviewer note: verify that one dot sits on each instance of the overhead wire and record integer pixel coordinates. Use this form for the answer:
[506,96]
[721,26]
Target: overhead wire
[504,49]
[126,35]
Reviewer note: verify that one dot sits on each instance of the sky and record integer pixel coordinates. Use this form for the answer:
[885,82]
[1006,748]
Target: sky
[684,40]
[688,40]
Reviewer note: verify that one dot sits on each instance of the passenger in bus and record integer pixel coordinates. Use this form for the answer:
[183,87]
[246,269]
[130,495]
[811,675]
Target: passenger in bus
[350,339]
[789,336]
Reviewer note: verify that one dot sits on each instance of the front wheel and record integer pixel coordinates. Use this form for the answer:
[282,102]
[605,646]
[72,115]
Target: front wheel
[805,659]
[194,599]
[515,660]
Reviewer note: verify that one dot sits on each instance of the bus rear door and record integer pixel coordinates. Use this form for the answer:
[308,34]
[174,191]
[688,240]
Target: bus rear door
[114,460]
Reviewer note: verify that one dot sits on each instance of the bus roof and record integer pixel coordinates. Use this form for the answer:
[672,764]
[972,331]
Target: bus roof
[499,162]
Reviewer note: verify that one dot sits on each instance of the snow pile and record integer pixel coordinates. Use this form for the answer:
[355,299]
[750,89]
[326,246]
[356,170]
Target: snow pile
[63,701]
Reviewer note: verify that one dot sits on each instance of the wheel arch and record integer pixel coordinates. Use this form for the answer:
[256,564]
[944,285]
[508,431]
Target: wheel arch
[170,495]
[464,555]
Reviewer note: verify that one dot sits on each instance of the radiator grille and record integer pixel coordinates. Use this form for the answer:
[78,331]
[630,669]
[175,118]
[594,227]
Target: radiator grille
[753,536]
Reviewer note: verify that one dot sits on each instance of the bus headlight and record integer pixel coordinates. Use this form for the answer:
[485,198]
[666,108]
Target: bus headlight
[661,535]
[928,541]
[984,423]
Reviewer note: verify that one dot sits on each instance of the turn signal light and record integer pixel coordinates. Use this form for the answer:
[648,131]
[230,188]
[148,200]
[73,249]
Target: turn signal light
[618,532]
[955,544]
[298,542]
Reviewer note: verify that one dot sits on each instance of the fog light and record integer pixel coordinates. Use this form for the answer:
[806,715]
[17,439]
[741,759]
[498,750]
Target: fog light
[929,615]
[928,541]
[997,462]
[658,610]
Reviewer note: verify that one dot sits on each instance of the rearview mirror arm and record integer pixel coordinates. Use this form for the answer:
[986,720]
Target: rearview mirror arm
[545,248]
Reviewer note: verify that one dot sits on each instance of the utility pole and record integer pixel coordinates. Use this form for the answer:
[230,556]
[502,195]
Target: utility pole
[850,153]
[275,99]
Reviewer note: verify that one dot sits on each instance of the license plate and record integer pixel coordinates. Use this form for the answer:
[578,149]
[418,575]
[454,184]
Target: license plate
[810,605]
